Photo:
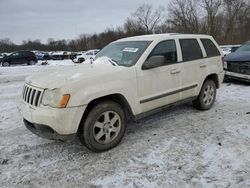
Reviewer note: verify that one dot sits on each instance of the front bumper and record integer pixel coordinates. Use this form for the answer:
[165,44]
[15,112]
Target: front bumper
[237,76]
[221,77]
[45,131]
[59,121]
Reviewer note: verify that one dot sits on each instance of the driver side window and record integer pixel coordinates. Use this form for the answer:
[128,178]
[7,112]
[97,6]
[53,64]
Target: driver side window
[167,49]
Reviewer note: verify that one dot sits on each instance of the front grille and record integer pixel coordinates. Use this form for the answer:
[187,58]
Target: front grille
[32,95]
[239,67]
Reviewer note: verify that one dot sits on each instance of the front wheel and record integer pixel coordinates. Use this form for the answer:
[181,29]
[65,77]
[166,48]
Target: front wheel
[104,127]
[31,62]
[206,97]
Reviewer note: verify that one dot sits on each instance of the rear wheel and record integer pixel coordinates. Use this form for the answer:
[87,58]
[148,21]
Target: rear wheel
[104,127]
[206,97]
[5,64]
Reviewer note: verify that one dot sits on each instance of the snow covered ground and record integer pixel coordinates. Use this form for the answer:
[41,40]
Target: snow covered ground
[180,147]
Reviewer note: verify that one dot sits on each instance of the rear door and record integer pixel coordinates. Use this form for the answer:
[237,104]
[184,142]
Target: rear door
[25,56]
[191,66]
[212,60]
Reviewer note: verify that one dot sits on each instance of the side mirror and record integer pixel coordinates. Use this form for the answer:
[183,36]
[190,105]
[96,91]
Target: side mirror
[153,62]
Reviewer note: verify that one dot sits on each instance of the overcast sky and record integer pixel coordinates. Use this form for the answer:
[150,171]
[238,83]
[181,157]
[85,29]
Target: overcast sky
[63,19]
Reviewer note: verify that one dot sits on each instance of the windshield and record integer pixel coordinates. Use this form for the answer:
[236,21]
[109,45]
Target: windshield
[124,53]
[244,47]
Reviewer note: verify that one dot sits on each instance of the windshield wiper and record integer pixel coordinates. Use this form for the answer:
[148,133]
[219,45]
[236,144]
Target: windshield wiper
[113,62]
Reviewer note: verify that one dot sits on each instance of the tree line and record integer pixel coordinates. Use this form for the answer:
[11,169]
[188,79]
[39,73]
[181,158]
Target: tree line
[228,21]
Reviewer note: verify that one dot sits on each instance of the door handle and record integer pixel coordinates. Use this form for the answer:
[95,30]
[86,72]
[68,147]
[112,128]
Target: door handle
[175,71]
[203,65]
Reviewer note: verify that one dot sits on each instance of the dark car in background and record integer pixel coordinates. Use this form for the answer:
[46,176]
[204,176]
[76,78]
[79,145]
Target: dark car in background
[1,57]
[19,57]
[237,64]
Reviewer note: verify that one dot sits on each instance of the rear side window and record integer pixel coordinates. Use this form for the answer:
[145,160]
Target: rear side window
[26,53]
[190,49]
[210,48]
[166,49]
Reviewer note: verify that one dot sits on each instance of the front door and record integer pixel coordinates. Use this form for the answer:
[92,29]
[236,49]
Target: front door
[161,85]
[16,58]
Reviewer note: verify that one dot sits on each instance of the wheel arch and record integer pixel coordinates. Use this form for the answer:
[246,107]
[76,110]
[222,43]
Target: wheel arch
[213,77]
[118,98]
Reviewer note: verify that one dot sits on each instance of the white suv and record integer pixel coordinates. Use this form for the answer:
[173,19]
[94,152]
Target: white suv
[128,79]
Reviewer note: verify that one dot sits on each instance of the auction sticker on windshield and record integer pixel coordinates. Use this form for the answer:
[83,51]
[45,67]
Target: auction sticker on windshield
[130,50]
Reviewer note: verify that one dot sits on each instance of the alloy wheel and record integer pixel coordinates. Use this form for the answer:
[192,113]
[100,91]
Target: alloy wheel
[107,127]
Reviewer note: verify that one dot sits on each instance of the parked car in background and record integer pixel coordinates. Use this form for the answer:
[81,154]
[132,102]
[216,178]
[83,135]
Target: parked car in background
[1,57]
[60,55]
[227,49]
[237,64]
[234,48]
[87,55]
[73,55]
[42,55]
[19,57]
[129,79]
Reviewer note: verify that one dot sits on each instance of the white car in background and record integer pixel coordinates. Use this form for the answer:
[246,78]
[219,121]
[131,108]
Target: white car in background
[87,55]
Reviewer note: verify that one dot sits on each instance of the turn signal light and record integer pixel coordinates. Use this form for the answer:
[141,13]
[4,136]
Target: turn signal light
[64,101]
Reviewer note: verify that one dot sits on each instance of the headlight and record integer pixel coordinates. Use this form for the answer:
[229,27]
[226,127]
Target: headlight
[225,65]
[54,98]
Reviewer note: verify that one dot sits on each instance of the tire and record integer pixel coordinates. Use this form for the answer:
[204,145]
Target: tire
[5,64]
[206,97]
[80,60]
[31,62]
[104,127]
[226,79]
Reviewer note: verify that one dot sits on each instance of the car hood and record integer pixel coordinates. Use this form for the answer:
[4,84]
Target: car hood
[68,75]
[238,56]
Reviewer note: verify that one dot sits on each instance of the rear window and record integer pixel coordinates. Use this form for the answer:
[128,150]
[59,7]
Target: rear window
[190,49]
[210,48]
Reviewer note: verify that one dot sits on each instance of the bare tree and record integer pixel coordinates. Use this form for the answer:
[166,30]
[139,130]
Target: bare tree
[233,8]
[212,8]
[243,30]
[133,27]
[147,17]
[183,16]
[227,20]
